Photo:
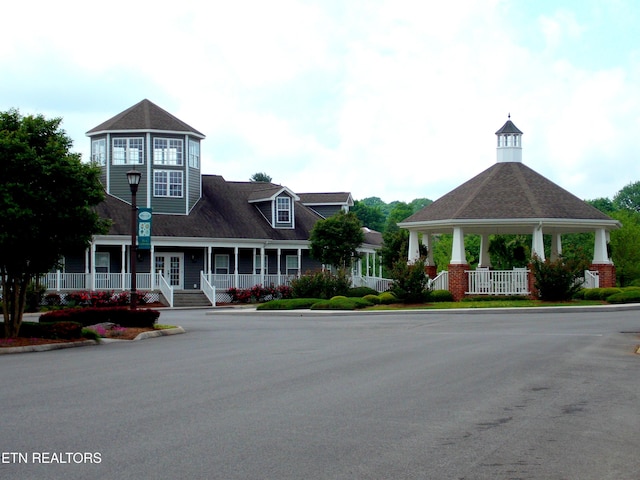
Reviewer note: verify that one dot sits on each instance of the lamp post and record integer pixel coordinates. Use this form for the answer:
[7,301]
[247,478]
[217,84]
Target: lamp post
[133,177]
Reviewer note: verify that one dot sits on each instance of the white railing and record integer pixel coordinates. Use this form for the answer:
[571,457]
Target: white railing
[208,289]
[165,288]
[65,281]
[498,282]
[591,279]
[379,284]
[441,282]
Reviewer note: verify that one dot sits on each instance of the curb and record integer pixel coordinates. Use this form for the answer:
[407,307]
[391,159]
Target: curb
[58,346]
[46,347]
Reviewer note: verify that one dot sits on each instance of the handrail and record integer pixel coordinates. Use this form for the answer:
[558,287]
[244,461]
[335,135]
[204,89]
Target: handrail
[165,288]
[208,289]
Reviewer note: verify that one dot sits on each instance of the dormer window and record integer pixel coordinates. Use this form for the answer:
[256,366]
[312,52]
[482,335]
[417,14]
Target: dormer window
[167,151]
[283,210]
[99,151]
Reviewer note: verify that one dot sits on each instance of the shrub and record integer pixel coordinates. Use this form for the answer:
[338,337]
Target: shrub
[258,293]
[409,281]
[288,304]
[34,297]
[361,292]
[55,330]
[52,300]
[600,293]
[320,284]
[387,298]
[341,303]
[625,296]
[125,317]
[440,296]
[557,280]
[374,299]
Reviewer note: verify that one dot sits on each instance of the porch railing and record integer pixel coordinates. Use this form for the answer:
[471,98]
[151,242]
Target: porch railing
[165,288]
[591,279]
[441,282]
[498,282]
[377,283]
[208,289]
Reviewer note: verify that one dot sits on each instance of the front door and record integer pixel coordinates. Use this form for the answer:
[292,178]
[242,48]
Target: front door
[171,265]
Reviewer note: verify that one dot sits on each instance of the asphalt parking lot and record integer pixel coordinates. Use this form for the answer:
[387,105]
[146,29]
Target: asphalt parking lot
[247,395]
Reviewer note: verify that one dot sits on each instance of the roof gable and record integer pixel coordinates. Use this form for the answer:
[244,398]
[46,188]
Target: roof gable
[145,115]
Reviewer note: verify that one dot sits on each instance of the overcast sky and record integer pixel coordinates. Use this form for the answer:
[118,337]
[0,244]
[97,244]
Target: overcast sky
[397,99]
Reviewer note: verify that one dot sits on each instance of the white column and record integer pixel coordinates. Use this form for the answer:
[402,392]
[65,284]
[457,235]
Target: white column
[427,241]
[368,255]
[458,255]
[152,266]
[279,266]
[92,284]
[123,263]
[414,249]
[262,265]
[600,255]
[235,267]
[299,262]
[485,259]
[537,244]
[209,262]
[556,246]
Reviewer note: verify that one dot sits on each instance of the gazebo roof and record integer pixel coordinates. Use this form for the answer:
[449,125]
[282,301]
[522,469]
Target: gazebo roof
[509,197]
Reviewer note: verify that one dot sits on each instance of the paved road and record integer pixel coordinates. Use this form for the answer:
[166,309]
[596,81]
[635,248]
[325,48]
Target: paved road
[389,396]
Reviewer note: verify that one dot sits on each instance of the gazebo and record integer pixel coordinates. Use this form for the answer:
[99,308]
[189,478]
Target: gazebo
[507,198]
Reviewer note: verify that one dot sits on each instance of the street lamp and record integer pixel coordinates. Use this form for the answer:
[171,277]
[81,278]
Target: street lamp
[133,177]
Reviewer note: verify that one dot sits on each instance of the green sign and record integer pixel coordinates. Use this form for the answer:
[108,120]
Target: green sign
[144,228]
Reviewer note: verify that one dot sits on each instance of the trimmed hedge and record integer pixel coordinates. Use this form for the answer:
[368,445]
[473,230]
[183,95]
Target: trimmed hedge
[55,330]
[123,316]
[387,298]
[625,296]
[341,303]
[361,292]
[288,304]
[600,293]
[374,299]
[440,296]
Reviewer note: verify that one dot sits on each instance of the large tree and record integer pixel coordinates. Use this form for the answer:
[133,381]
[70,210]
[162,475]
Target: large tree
[260,177]
[47,200]
[335,240]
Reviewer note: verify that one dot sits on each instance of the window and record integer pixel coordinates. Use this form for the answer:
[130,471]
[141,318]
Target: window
[99,152]
[194,154]
[167,151]
[221,264]
[283,210]
[102,262]
[128,151]
[258,262]
[167,183]
[292,264]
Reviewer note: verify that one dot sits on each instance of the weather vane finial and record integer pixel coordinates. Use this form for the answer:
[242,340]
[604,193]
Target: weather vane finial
[509,115]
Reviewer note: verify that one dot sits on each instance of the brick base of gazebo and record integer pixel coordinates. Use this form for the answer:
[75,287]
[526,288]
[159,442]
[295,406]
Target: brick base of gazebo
[606,272]
[458,280]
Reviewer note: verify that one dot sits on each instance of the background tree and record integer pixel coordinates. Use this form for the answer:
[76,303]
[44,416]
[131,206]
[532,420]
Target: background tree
[370,216]
[335,240]
[47,200]
[628,198]
[625,247]
[260,177]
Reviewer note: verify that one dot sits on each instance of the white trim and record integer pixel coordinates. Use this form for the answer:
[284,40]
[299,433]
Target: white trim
[148,130]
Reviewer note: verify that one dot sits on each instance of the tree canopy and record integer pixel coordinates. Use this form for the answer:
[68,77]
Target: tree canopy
[47,200]
[335,240]
[260,177]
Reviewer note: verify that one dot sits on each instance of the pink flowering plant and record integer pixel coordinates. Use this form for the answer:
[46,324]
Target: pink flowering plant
[258,293]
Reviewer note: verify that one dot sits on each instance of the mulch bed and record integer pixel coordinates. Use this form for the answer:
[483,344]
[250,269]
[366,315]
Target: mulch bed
[127,334]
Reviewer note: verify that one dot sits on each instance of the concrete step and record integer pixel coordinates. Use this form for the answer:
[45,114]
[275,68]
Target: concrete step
[190,299]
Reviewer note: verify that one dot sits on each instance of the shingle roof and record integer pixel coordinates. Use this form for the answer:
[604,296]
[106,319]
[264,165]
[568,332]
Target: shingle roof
[326,198]
[508,127]
[223,212]
[145,115]
[508,190]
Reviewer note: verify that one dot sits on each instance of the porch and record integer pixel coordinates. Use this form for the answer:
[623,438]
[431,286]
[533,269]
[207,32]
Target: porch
[214,286]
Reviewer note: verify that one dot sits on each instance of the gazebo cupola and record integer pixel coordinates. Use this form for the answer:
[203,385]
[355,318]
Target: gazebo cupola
[509,143]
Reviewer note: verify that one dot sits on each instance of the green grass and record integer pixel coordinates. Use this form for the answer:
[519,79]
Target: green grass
[487,304]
